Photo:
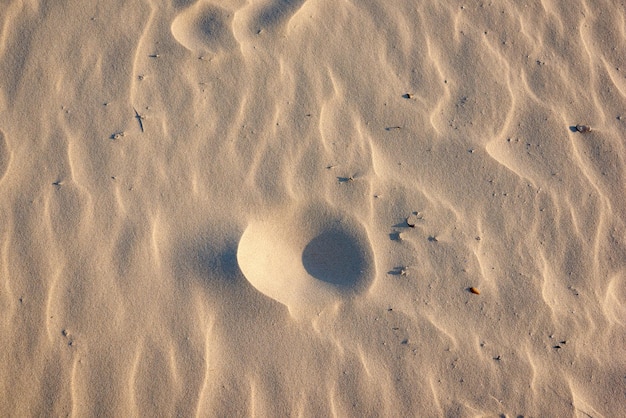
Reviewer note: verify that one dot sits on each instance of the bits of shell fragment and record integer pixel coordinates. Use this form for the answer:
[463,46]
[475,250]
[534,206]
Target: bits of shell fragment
[474,290]
[583,129]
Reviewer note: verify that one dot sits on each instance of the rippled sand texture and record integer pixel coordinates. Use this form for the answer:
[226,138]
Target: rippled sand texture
[277,208]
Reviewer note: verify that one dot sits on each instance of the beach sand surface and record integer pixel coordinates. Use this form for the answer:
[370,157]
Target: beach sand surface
[313,208]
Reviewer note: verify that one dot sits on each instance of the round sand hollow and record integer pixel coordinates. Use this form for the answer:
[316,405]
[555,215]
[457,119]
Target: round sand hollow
[307,257]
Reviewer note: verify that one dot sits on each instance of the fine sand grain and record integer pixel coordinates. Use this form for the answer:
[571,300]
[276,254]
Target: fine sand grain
[313,208]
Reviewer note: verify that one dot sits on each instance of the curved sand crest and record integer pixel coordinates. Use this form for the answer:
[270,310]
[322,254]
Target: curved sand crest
[4,155]
[307,257]
[203,28]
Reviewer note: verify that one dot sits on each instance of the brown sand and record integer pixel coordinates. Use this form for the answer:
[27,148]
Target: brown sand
[315,187]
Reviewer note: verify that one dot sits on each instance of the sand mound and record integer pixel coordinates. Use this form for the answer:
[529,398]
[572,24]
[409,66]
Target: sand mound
[307,258]
[204,28]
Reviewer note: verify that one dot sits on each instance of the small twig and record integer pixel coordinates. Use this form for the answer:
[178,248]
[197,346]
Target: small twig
[496,399]
[399,271]
[345,179]
[139,118]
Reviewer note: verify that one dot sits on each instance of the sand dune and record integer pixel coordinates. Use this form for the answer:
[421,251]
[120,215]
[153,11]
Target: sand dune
[278,208]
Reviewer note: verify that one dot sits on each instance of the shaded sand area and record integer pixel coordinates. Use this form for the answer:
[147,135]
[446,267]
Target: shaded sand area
[278,208]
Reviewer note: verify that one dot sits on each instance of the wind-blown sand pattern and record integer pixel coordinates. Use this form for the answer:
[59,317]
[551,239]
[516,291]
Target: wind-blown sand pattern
[291,222]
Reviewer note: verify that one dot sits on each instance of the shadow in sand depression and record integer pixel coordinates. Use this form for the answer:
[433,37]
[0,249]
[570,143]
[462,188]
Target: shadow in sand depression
[334,257]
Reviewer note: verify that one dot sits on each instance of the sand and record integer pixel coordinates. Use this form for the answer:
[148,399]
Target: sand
[278,208]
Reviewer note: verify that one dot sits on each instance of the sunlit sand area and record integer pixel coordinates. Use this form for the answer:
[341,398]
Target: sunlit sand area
[311,208]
